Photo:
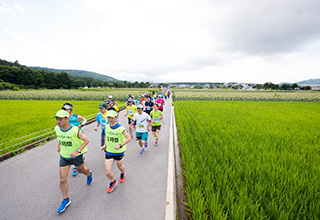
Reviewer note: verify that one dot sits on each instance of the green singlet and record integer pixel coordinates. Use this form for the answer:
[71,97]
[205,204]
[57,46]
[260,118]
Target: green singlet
[69,141]
[114,136]
[155,117]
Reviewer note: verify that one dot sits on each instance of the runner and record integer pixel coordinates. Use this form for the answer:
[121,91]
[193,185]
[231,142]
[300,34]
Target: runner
[143,100]
[116,139]
[109,107]
[142,120]
[112,100]
[131,110]
[160,102]
[71,147]
[113,105]
[156,116]
[127,100]
[148,105]
[75,121]
[102,120]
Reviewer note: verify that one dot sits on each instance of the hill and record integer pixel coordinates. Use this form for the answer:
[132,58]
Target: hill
[81,73]
[310,82]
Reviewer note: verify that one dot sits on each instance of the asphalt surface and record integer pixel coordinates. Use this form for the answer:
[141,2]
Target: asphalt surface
[30,181]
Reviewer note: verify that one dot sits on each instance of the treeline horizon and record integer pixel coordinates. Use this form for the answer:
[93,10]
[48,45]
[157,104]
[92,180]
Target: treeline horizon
[16,76]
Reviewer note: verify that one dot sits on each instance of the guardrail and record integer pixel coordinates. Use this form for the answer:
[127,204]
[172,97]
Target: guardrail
[7,151]
[13,147]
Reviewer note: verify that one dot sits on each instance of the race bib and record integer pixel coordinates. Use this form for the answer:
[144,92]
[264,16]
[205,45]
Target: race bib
[141,126]
[131,112]
[156,119]
[159,104]
[148,108]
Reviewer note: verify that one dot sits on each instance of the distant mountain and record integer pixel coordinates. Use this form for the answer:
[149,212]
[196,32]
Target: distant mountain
[81,73]
[310,82]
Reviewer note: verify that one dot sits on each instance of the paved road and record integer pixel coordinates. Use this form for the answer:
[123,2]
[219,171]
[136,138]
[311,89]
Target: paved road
[29,183]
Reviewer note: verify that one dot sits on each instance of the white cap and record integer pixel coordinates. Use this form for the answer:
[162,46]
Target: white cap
[110,97]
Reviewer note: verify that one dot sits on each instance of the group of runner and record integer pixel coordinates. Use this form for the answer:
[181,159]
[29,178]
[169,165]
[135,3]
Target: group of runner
[142,113]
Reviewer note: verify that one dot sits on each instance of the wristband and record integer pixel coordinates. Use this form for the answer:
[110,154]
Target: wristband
[120,145]
[79,151]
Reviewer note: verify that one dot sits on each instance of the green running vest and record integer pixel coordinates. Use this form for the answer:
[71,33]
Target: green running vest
[115,137]
[69,141]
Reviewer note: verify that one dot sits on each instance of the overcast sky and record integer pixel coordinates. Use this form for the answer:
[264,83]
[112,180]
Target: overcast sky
[254,41]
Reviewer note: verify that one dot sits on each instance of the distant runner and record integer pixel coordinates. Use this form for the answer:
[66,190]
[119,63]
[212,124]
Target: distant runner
[142,121]
[148,105]
[72,145]
[131,110]
[102,120]
[161,103]
[116,139]
[74,120]
[156,116]
[112,100]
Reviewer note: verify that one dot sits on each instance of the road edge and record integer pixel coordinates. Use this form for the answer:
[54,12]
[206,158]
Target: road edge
[171,196]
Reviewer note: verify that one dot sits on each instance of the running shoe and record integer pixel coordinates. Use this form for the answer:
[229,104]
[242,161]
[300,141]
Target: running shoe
[122,177]
[89,178]
[142,150]
[156,143]
[111,186]
[131,136]
[146,145]
[84,159]
[64,204]
[74,172]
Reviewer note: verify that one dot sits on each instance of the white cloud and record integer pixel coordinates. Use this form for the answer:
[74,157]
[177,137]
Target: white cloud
[16,36]
[19,7]
[5,8]
[189,40]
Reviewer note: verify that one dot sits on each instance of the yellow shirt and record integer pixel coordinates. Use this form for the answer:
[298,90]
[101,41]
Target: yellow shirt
[131,110]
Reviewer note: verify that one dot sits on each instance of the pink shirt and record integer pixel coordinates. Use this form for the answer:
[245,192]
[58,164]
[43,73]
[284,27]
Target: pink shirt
[160,103]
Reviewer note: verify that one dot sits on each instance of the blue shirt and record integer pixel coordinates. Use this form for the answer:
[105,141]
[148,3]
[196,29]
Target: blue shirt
[103,122]
[74,120]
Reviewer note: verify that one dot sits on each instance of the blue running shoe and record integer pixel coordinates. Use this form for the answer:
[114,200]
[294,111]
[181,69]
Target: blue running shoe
[89,179]
[64,204]
[142,150]
[84,159]
[146,145]
[74,172]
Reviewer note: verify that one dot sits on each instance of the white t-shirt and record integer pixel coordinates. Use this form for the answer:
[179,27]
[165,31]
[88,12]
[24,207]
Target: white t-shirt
[142,121]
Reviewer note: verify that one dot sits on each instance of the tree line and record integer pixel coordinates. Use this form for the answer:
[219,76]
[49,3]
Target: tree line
[283,86]
[12,73]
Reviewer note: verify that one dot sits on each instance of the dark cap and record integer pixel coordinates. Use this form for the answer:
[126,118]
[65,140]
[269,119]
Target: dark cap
[103,105]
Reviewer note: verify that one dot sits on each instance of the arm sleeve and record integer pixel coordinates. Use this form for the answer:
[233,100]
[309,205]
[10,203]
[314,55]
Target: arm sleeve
[84,122]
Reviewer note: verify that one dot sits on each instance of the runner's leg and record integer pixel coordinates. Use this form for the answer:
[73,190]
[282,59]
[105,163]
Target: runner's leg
[121,165]
[108,169]
[64,180]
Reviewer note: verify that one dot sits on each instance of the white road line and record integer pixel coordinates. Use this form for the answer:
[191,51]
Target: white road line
[170,206]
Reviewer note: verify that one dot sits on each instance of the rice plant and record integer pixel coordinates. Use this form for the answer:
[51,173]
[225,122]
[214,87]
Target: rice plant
[250,160]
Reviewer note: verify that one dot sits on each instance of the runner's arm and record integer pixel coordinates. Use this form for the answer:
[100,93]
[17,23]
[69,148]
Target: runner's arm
[127,140]
[96,127]
[83,145]
[83,120]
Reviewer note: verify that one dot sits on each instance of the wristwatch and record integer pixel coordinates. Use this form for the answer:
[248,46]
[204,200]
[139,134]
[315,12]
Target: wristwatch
[120,145]
[79,151]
